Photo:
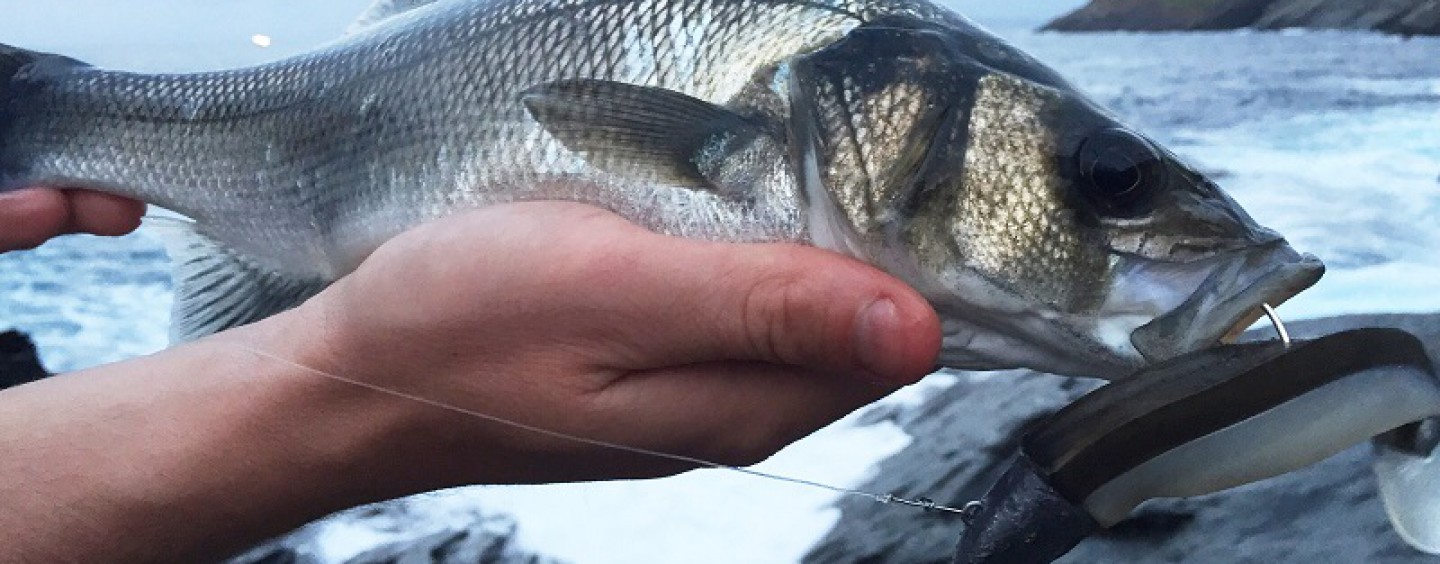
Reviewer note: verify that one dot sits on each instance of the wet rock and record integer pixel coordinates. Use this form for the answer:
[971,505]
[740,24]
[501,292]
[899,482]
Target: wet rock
[404,532]
[1406,17]
[480,544]
[1148,15]
[19,362]
[968,433]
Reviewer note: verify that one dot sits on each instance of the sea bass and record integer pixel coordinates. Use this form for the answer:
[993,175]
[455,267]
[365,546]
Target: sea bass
[1045,233]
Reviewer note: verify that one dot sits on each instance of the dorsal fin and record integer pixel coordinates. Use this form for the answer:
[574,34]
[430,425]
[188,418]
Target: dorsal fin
[382,10]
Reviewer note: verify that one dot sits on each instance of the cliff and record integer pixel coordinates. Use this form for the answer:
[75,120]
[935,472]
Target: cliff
[1405,17]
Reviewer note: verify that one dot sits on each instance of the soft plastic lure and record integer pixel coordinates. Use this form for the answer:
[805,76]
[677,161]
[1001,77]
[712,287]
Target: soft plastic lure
[1202,423]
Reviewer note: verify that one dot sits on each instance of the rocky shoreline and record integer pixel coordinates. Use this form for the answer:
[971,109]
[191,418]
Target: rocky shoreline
[413,538]
[1401,17]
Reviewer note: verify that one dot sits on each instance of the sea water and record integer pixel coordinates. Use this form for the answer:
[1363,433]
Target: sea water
[1331,138]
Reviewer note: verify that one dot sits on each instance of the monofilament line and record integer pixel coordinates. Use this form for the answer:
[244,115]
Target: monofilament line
[921,503]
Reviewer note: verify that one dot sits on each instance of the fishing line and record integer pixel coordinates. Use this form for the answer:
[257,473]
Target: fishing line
[966,513]
[919,502]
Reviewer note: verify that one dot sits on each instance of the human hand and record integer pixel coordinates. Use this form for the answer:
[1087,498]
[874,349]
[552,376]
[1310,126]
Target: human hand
[32,216]
[571,319]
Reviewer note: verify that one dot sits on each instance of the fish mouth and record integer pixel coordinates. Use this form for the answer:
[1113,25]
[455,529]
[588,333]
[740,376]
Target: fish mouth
[1228,301]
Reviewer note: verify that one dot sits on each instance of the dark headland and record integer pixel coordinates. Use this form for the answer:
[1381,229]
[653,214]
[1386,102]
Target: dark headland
[1402,17]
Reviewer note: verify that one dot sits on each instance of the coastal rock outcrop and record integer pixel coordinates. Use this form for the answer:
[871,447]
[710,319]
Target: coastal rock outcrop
[1405,17]
[402,531]
[1148,15]
[19,363]
[967,434]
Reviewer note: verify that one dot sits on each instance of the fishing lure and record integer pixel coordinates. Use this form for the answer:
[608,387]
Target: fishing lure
[1198,424]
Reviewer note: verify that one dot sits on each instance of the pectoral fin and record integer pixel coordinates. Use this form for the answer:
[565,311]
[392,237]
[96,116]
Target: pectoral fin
[644,133]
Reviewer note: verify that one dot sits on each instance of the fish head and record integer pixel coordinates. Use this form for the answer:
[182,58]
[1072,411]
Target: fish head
[1046,233]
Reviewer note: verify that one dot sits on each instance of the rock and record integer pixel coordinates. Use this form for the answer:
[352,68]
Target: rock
[965,437]
[19,362]
[414,537]
[1406,17]
[1395,16]
[489,542]
[1148,15]
[969,433]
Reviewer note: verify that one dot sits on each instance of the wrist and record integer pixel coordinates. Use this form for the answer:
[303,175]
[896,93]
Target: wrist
[340,444]
[187,454]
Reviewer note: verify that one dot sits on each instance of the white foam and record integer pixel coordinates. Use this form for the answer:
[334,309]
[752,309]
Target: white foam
[1360,190]
[702,516]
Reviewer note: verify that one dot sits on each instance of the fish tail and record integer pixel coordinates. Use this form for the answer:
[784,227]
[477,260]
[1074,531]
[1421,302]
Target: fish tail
[22,74]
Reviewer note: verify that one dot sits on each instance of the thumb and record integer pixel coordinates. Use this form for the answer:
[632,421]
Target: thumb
[787,304]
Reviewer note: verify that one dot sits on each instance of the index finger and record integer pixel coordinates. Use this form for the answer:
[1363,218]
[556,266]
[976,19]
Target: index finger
[31,217]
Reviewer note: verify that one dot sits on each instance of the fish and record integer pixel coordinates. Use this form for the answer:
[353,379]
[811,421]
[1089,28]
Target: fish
[1046,233]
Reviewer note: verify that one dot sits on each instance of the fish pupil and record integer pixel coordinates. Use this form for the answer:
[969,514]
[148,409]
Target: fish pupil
[1120,171]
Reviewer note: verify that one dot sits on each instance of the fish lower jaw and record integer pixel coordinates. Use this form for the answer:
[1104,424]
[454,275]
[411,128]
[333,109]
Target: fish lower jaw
[1214,318]
[1247,320]
[1029,342]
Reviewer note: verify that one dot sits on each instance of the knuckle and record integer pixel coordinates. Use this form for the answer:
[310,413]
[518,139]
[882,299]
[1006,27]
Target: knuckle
[776,316]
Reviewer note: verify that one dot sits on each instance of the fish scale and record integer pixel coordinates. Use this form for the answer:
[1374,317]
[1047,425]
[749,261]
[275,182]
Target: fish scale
[893,131]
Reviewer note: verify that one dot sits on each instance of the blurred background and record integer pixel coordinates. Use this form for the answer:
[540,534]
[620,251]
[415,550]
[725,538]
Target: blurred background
[1330,137]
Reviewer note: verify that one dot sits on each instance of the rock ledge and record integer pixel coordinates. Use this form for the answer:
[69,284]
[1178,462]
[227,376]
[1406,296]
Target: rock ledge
[1404,17]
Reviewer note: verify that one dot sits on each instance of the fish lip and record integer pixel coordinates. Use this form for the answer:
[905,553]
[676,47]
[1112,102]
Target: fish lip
[1228,301]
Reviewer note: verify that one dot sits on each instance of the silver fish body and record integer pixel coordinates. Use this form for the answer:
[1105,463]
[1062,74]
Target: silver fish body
[1046,233]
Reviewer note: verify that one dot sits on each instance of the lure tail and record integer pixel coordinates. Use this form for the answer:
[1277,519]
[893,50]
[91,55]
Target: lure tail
[1217,419]
[1407,466]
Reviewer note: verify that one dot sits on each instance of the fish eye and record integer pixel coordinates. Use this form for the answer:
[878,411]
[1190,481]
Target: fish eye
[1119,172]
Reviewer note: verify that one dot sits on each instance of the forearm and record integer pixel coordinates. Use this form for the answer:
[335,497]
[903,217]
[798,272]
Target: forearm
[184,456]
[595,329]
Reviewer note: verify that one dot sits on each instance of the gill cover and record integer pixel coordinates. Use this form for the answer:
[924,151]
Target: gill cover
[869,141]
